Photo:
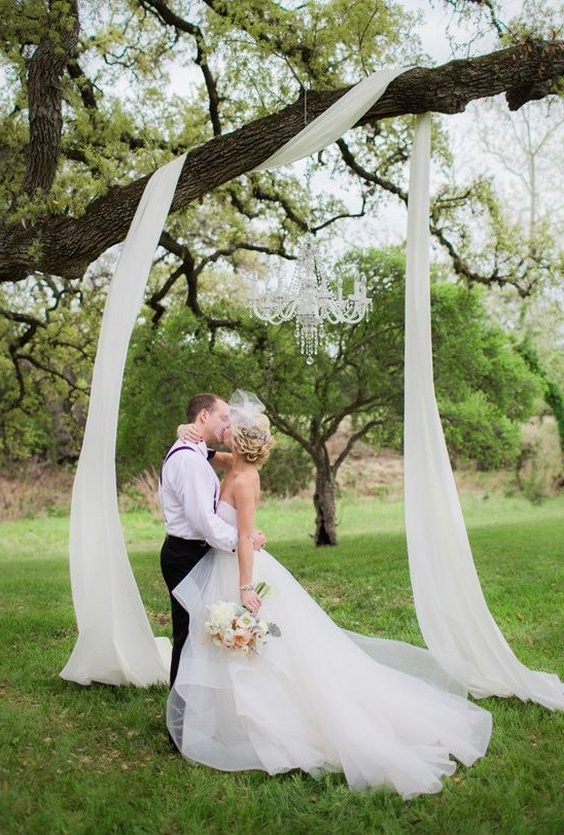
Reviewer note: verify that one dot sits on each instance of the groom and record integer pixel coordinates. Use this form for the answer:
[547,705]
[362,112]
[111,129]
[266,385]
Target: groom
[189,492]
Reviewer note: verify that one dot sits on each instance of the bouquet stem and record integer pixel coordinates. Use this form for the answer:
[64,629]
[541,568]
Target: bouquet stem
[262,589]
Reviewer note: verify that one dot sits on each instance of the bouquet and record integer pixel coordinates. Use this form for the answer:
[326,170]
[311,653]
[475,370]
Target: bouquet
[232,626]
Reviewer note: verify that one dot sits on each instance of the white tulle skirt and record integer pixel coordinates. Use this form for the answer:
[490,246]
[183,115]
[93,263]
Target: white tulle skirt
[319,698]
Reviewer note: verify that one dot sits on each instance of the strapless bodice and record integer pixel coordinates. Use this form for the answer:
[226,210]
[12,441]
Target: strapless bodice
[227,512]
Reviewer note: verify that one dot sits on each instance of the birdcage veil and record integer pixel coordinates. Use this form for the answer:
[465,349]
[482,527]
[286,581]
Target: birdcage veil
[245,407]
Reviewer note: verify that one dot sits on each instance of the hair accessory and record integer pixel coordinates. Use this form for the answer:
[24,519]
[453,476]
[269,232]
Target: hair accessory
[245,407]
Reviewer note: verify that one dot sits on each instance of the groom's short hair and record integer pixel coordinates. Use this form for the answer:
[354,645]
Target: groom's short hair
[199,402]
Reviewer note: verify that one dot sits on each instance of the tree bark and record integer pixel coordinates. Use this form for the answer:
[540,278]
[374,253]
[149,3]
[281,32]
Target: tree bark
[46,69]
[66,246]
[324,501]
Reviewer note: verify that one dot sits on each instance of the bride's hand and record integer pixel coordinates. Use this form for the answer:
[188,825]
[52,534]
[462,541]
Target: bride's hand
[251,601]
[259,540]
[187,432]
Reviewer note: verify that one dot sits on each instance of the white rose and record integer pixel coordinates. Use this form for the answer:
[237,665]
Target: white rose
[228,635]
[224,612]
[245,620]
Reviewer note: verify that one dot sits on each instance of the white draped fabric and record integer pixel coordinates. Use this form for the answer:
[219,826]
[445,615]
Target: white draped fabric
[115,643]
[453,615]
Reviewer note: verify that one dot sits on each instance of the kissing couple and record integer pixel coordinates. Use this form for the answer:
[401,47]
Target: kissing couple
[319,698]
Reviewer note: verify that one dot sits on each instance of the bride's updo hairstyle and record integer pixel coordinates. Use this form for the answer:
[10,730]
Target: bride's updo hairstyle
[255,442]
[250,428]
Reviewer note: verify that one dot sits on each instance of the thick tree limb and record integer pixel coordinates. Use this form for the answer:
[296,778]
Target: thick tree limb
[67,245]
[46,69]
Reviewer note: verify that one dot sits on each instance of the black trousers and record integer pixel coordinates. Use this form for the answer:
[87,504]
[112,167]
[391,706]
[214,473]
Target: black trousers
[178,558]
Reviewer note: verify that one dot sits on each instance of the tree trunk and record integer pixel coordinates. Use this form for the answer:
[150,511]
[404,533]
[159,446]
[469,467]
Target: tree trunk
[324,501]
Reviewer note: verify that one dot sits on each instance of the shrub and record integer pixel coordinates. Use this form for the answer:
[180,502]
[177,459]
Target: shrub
[289,469]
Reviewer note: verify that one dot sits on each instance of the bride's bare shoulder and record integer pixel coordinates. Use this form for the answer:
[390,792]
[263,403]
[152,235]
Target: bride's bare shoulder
[246,484]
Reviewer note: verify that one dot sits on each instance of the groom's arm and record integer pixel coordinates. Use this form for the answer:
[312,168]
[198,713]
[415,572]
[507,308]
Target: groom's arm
[195,487]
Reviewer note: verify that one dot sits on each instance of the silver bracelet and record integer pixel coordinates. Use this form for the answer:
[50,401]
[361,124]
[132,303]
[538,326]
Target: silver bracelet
[248,587]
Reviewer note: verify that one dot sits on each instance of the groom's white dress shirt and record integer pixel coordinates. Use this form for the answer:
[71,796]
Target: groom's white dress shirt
[189,492]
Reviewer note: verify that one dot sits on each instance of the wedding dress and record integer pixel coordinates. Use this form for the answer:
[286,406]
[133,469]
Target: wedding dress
[315,699]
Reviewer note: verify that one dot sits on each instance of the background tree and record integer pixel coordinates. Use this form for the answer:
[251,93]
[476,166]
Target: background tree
[534,220]
[484,387]
[48,337]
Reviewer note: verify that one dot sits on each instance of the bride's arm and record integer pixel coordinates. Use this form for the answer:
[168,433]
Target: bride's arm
[244,493]
[222,461]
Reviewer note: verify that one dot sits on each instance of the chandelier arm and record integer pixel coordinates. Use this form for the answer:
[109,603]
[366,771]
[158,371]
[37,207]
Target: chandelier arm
[263,308]
[290,309]
[345,317]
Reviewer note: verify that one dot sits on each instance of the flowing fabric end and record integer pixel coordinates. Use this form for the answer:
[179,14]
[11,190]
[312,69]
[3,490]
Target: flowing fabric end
[110,614]
[451,609]
[93,661]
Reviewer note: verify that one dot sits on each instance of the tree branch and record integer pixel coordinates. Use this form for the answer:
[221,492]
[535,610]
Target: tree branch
[169,18]
[67,245]
[46,69]
[460,266]
[154,301]
[192,271]
[85,86]
[51,371]
[285,427]
[360,404]
[352,441]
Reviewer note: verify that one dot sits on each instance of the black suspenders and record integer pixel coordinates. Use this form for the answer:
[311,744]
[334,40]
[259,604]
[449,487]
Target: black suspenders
[170,454]
[211,454]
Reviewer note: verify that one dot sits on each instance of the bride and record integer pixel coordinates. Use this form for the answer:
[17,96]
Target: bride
[318,698]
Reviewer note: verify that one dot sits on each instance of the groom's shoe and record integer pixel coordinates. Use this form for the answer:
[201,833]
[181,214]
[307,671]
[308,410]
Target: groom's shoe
[172,744]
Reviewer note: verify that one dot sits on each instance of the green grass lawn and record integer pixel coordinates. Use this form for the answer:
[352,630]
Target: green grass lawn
[95,759]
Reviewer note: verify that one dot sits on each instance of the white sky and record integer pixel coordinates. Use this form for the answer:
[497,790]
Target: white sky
[440,32]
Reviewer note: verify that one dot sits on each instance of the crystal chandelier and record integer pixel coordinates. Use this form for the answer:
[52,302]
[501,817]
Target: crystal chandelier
[309,298]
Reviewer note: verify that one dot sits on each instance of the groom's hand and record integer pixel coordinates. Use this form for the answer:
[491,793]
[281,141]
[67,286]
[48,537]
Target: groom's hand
[259,540]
